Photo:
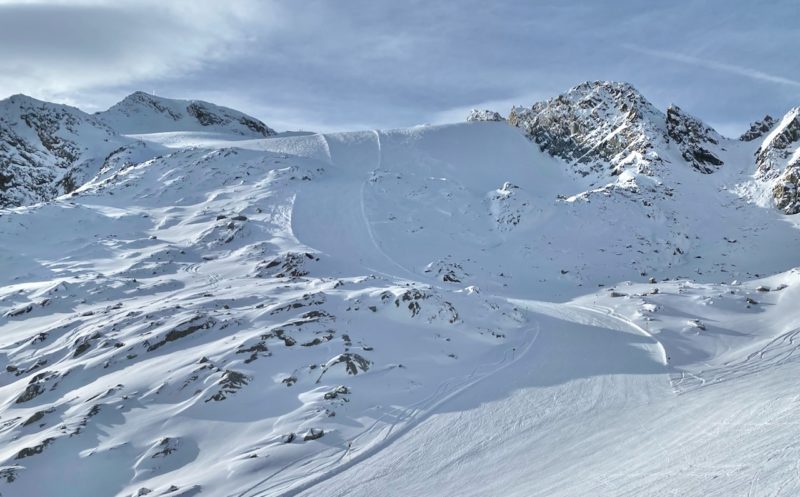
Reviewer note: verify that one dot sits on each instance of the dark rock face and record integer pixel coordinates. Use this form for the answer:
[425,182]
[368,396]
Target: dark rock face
[758,129]
[772,153]
[600,127]
[694,139]
[785,191]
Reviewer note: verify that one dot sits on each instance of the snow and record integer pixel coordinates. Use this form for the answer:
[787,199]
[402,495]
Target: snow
[413,311]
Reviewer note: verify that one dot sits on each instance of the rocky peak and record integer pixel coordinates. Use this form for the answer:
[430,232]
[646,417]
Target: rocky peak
[780,144]
[758,129]
[778,162]
[144,113]
[484,115]
[694,140]
[601,127]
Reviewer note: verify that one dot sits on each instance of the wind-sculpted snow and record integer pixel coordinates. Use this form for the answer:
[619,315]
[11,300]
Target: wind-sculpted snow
[402,311]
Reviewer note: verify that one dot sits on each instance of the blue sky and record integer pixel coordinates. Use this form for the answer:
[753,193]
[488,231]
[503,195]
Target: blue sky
[349,64]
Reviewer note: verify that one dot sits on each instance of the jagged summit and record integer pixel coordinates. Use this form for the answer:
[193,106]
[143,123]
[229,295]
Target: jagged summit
[778,162]
[758,129]
[601,127]
[141,112]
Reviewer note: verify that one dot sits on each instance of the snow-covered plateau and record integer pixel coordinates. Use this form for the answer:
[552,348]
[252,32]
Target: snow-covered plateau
[590,296]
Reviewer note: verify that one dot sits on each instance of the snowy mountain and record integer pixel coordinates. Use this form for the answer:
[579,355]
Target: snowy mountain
[144,113]
[593,297]
[601,128]
[48,149]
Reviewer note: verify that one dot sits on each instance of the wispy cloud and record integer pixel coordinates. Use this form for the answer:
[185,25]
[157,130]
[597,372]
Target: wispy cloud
[714,65]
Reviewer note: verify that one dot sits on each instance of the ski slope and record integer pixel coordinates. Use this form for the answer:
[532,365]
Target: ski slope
[440,310]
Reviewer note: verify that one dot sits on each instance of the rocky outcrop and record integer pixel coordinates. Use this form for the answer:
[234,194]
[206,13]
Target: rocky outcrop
[780,144]
[484,115]
[695,140]
[778,162]
[599,127]
[758,129]
[785,191]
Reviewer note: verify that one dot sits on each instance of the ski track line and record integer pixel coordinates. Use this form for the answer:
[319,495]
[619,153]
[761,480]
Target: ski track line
[607,311]
[365,218]
[414,420]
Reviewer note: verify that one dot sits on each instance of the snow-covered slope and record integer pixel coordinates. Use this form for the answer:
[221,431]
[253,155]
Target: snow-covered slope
[405,312]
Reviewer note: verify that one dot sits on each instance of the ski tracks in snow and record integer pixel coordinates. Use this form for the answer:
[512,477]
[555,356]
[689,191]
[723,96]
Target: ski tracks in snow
[415,414]
[607,311]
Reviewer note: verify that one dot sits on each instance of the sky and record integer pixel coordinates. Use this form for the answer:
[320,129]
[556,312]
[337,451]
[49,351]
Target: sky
[356,64]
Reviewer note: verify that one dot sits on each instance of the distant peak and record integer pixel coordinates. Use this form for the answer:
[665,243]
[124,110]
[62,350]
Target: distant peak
[484,115]
[20,98]
[620,95]
[758,129]
[142,112]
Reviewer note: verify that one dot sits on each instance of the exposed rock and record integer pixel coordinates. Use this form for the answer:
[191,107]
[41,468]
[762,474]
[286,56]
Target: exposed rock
[184,329]
[288,265]
[38,415]
[230,383]
[785,191]
[36,449]
[778,162]
[353,363]
[37,386]
[695,140]
[9,473]
[758,129]
[484,115]
[599,127]
[313,434]
[336,392]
